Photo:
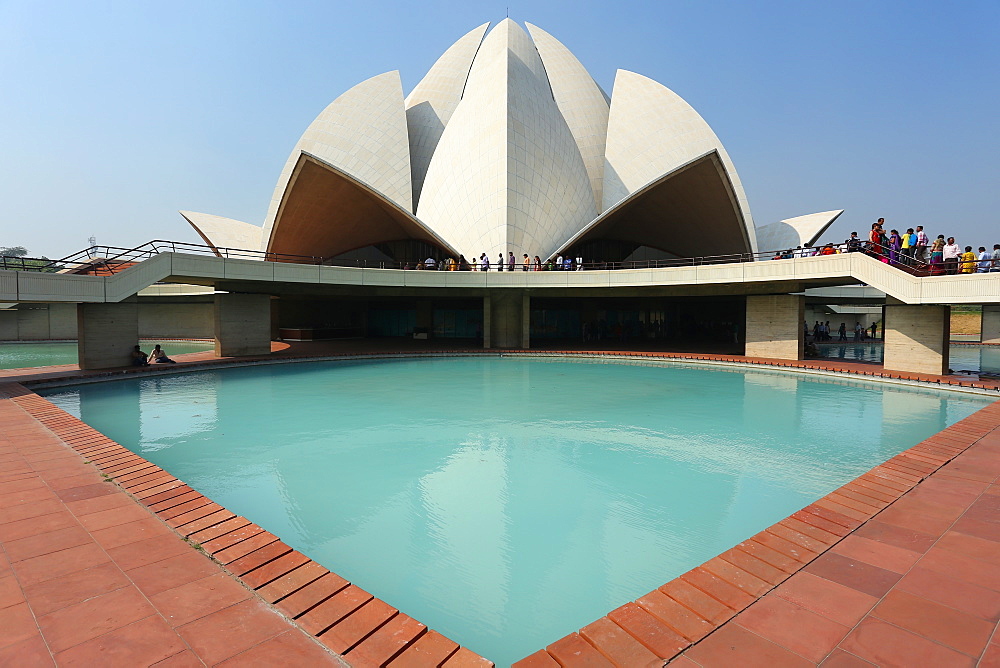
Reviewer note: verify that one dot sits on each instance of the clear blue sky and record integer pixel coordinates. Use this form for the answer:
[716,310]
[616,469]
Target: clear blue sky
[115,115]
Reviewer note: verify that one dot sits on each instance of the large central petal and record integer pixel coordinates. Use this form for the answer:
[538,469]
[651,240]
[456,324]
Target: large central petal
[507,174]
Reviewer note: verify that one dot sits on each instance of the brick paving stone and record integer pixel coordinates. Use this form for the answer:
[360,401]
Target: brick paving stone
[793,627]
[312,594]
[945,625]
[887,645]
[232,630]
[292,581]
[172,572]
[432,649]
[465,658]
[573,651]
[400,632]
[57,593]
[732,644]
[144,642]
[358,625]
[872,552]
[287,649]
[841,604]
[30,651]
[950,591]
[258,558]
[615,643]
[94,617]
[333,609]
[148,551]
[677,617]
[858,575]
[656,636]
[199,598]
[17,624]
[275,569]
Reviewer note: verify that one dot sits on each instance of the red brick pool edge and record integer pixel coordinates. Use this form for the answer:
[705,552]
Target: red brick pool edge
[882,569]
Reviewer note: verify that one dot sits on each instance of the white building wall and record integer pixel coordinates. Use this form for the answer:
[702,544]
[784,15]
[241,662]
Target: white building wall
[507,174]
[583,104]
[432,102]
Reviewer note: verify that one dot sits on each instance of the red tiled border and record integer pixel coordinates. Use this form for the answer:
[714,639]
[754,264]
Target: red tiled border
[348,620]
[657,626]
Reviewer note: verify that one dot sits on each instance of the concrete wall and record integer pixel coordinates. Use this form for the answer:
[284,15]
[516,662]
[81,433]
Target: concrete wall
[991,324]
[507,320]
[242,324]
[177,320]
[107,334]
[774,326]
[37,322]
[916,338]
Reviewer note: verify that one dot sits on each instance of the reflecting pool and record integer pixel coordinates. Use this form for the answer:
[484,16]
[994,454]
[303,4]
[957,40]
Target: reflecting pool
[506,502]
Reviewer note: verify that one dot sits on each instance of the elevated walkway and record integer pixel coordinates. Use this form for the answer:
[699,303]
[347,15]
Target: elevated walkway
[734,278]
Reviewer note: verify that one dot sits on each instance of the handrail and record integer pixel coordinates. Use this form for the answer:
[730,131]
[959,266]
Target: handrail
[108,260]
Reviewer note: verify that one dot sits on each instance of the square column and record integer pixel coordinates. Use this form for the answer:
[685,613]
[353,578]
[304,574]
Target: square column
[106,334]
[991,324]
[242,325]
[916,338]
[774,326]
[506,319]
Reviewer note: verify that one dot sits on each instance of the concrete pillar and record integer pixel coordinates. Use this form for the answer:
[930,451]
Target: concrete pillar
[425,316]
[774,326]
[106,334]
[242,324]
[991,324]
[506,319]
[916,338]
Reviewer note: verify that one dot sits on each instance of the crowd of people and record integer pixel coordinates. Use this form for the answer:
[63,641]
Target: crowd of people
[509,263]
[912,248]
[821,331]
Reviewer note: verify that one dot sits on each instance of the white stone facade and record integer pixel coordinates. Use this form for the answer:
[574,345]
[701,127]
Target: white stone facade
[507,145]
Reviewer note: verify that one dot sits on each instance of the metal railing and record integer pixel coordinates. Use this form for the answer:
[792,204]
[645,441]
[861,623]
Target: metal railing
[108,260]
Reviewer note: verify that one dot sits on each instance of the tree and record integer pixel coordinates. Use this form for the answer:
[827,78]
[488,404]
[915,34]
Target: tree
[13,251]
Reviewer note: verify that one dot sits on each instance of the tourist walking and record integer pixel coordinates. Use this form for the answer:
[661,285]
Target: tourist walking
[853,243]
[843,331]
[484,263]
[996,258]
[538,263]
[511,261]
[500,262]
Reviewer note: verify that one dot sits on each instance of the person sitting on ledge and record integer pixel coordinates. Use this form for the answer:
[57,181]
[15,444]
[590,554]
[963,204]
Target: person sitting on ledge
[139,358]
[160,357]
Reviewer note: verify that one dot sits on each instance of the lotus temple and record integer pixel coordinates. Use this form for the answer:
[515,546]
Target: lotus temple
[506,374]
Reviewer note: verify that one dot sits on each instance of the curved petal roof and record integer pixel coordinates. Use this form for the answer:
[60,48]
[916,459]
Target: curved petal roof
[581,101]
[432,102]
[508,145]
[219,232]
[653,131]
[363,133]
[797,231]
[507,174]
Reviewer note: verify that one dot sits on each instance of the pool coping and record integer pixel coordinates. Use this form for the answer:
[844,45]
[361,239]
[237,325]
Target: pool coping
[710,595]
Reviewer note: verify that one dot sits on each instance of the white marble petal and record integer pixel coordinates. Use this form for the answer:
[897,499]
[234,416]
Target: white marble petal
[432,102]
[219,232]
[653,131]
[582,102]
[362,132]
[793,232]
[507,174]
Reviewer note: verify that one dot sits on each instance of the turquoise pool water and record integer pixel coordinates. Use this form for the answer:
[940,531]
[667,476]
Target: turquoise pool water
[506,502]
[48,353]
[975,358]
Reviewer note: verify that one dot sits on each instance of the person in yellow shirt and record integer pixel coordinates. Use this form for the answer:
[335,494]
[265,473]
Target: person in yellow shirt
[968,260]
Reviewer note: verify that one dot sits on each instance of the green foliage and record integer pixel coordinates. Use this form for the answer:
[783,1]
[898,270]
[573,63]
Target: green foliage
[15,258]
